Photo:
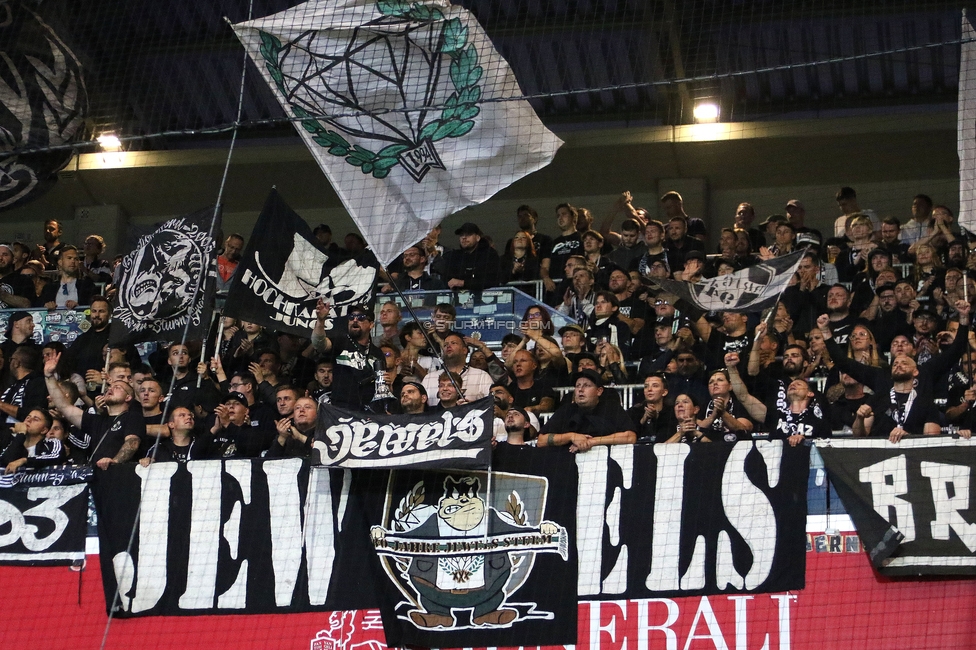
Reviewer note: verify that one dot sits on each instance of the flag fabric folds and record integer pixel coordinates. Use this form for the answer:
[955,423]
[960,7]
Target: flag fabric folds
[159,295]
[282,274]
[966,128]
[752,289]
[401,105]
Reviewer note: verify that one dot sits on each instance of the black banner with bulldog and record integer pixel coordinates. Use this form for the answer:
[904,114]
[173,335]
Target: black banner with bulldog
[44,516]
[910,502]
[456,438]
[474,559]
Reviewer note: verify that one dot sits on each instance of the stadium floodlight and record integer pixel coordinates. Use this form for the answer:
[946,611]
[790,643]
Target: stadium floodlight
[109,142]
[706,112]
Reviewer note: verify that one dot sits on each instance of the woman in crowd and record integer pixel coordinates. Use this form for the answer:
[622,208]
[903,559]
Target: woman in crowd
[862,347]
[35,271]
[686,409]
[536,318]
[821,365]
[725,419]
[929,271]
[520,263]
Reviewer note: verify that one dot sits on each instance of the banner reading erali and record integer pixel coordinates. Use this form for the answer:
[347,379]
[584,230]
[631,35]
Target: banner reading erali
[457,438]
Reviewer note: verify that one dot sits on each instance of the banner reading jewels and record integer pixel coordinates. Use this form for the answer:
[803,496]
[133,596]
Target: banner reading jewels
[457,438]
[909,501]
[44,516]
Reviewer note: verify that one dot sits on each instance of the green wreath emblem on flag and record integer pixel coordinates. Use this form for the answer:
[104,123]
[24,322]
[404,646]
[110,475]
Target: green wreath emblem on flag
[408,38]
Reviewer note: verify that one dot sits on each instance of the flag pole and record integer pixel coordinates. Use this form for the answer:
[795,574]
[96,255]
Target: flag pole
[108,357]
[203,348]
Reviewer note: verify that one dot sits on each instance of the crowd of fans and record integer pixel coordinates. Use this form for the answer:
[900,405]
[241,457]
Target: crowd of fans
[872,337]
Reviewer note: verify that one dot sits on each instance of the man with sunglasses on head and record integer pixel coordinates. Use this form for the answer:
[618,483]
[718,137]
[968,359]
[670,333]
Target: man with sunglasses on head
[355,354]
[71,289]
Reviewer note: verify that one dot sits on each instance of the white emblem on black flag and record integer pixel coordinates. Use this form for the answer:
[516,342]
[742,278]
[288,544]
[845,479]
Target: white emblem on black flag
[283,274]
[158,294]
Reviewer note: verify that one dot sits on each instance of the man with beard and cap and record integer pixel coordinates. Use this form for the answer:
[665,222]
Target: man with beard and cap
[474,267]
[16,290]
[503,406]
[519,426]
[20,331]
[114,437]
[413,397]
[355,356]
[903,400]
[793,413]
[70,289]
[233,434]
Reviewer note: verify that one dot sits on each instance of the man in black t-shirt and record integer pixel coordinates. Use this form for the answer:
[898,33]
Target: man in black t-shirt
[654,418]
[233,435]
[353,383]
[527,390]
[588,419]
[179,445]
[114,437]
[735,338]
[16,290]
[567,244]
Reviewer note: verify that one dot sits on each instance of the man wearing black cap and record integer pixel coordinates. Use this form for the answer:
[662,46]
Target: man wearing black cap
[475,266]
[413,397]
[518,426]
[20,331]
[770,225]
[588,420]
[693,267]
[232,434]
[356,356]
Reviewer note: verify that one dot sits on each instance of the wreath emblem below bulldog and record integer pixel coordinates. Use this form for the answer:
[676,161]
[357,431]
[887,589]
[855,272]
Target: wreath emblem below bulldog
[465,558]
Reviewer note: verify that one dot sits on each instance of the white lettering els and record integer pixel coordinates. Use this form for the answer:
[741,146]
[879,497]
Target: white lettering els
[212,535]
[745,505]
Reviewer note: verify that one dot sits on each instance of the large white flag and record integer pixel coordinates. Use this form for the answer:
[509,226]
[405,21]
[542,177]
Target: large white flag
[403,106]
[966,129]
